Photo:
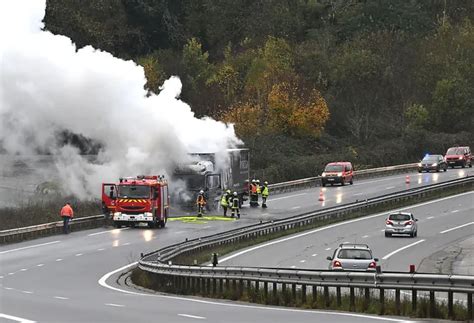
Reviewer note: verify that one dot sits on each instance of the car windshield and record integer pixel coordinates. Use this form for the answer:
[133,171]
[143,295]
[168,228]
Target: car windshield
[399,217]
[134,191]
[455,151]
[333,168]
[354,254]
[431,158]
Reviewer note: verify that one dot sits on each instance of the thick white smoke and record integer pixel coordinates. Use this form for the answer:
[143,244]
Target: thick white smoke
[47,86]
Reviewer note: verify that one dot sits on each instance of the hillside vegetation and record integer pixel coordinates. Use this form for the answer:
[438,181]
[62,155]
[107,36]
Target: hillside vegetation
[376,82]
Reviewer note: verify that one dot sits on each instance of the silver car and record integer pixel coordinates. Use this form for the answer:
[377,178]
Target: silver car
[352,257]
[401,223]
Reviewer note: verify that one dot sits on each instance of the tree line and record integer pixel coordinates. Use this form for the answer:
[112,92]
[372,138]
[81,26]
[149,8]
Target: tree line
[304,81]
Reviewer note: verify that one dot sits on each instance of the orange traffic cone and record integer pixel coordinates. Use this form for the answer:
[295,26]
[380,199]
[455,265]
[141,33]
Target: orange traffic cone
[407,179]
[321,196]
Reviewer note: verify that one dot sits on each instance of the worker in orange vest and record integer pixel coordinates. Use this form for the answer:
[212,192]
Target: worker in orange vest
[67,214]
[201,203]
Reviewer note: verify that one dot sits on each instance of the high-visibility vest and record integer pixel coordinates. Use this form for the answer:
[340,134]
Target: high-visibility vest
[201,200]
[253,188]
[265,191]
[224,199]
[258,189]
[67,211]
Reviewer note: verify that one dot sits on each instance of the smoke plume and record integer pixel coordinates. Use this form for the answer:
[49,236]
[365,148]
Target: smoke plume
[48,86]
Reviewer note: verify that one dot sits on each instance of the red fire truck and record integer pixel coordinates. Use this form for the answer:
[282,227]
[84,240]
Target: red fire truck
[141,199]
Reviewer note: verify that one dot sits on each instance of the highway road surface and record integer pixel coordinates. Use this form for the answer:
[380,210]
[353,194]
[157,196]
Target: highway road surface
[56,279]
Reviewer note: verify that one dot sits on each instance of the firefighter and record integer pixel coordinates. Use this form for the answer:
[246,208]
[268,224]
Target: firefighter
[259,189]
[201,203]
[265,194]
[253,193]
[67,214]
[235,206]
[225,201]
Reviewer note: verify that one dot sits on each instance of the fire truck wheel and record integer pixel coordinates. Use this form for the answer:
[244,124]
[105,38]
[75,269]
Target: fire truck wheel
[117,225]
[151,224]
[162,224]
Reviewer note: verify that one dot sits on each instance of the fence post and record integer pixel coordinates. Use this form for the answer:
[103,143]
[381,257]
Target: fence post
[293,292]
[265,292]
[432,303]
[274,291]
[352,299]
[397,301]
[413,300]
[303,293]
[315,294]
[326,296]
[382,301]
[469,306]
[450,305]
[338,296]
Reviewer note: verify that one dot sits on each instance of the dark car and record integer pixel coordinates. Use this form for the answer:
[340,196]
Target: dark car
[459,156]
[432,162]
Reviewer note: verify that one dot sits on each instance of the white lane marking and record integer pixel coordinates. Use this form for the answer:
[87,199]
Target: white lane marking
[193,316]
[327,249]
[59,259]
[454,211]
[78,254]
[430,217]
[337,225]
[402,248]
[264,213]
[346,242]
[126,244]
[287,197]
[8,288]
[26,292]
[114,305]
[34,246]
[9,274]
[15,318]
[389,187]
[296,207]
[103,282]
[293,267]
[60,297]
[23,269]
[314,255]
[101,249]
[40,265]
[366,236]
[111,231]
[302,260]
[358,194]
[458,227]
[1,277]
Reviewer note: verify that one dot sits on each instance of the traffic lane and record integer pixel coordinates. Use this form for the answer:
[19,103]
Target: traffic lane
[118,307]
[311,248]
[297,202]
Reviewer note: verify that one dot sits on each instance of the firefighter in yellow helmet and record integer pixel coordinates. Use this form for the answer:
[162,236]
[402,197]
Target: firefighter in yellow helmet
[265,193]
[225,201]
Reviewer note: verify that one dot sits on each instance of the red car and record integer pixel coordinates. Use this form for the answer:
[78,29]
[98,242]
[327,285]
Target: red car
[338,172]
[459,156]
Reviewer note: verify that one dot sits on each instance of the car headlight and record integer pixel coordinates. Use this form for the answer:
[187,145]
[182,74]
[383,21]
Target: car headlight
[434,164]
[117,213]
[323,175]
[419,164]
[147,214]
[460,157]
[339,174]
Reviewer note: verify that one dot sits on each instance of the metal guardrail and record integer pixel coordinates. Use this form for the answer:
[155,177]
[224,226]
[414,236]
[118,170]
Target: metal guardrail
[206,280]
[24,233]
[358,174]
[20,234]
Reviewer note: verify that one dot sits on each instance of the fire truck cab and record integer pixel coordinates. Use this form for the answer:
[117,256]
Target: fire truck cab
[141,199]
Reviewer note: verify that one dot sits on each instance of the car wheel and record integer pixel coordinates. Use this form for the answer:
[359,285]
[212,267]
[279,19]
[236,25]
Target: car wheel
[387,234]
[445,168]
[463,165]
[351,182]
[118,225]
[451,166]
[416,233]
[437,169]
[324,184]
[419,171]
[343,182]
[470,164]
